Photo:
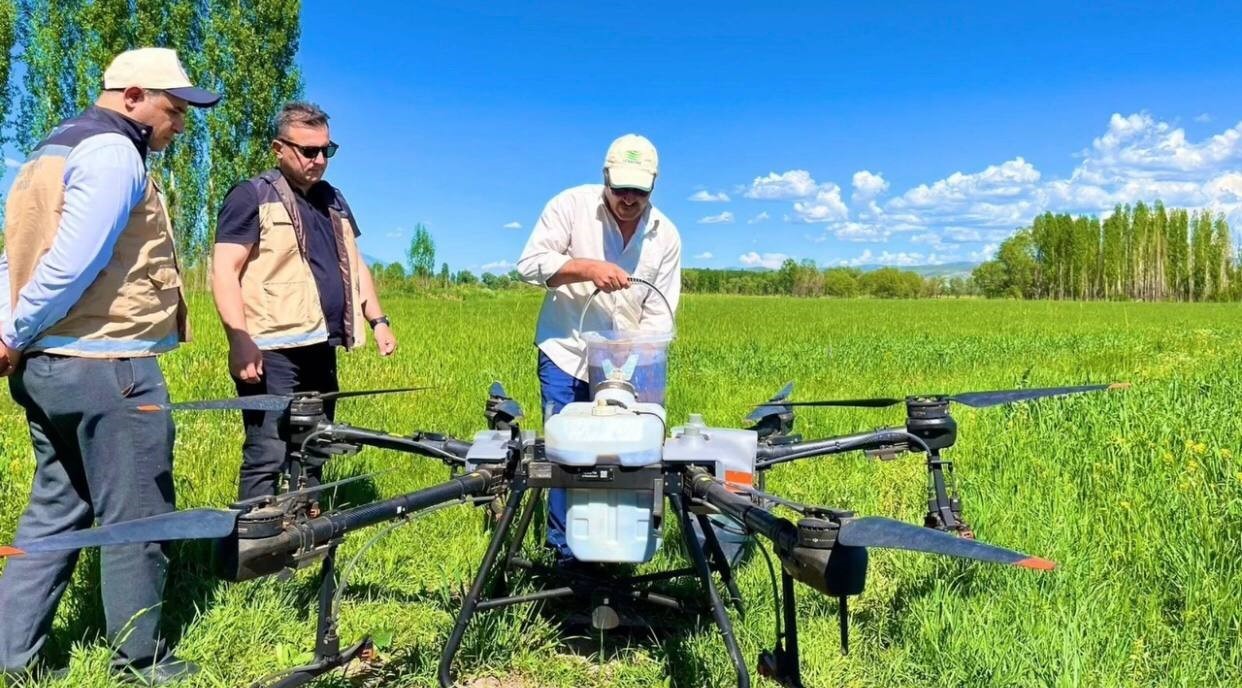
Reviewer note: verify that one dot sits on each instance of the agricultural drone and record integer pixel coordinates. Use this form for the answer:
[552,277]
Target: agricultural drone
[624,475]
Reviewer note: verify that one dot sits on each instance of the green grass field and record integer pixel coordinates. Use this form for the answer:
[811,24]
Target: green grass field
[1137,495]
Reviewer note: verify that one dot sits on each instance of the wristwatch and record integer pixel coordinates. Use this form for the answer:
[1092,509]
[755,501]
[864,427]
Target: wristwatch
[382,320]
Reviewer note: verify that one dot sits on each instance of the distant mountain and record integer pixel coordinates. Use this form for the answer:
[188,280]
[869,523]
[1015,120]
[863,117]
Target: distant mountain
[961,269]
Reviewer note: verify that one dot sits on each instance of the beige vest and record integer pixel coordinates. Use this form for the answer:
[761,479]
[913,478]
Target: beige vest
[279,294]
[135,307]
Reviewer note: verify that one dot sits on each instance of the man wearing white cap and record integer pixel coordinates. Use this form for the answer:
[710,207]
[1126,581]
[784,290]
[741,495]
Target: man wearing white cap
[91,294]
[598,236]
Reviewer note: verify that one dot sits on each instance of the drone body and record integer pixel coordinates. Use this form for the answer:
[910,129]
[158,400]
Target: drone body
[625,477]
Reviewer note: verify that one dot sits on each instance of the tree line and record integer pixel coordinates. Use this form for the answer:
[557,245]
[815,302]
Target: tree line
[241,49]
[1141,252]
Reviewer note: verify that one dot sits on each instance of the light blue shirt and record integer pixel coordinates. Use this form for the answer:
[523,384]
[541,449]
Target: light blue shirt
[105,178]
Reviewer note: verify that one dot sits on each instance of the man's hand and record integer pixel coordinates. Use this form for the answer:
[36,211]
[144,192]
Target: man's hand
[245,358]
[609,277]
[385,340]
[9,358]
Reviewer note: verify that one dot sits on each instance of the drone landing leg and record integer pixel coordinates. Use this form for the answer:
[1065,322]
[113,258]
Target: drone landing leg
[471,603]
[782,664]
[944,510]
[328,655]
[722,564]
[705,575]
[519,533]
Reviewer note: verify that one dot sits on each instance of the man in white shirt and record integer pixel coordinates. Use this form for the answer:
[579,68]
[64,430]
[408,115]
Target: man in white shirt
[598,236]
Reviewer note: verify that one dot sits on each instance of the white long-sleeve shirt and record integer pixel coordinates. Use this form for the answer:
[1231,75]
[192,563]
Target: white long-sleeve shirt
[576,224]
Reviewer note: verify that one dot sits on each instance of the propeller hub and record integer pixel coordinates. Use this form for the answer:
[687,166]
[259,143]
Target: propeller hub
[817,533]
[928,419]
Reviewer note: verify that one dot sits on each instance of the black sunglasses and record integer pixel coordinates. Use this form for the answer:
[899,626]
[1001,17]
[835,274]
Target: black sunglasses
[312,152]
[624,191]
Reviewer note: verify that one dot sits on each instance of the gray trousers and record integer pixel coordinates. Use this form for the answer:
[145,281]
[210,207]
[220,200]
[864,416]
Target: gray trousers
[97,459]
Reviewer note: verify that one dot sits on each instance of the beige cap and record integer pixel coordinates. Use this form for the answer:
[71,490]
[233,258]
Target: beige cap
[156,69]
[632,163]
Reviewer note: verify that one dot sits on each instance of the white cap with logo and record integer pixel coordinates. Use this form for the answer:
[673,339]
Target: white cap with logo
[157,69]
[632,163]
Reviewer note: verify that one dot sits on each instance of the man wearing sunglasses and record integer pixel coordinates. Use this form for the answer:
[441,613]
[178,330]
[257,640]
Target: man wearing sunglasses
[597,236]
[290,286]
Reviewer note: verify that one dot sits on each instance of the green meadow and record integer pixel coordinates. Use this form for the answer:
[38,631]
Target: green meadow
[1136,494]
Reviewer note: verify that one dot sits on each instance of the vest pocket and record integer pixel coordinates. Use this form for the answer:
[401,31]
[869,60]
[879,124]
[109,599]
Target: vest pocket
[285,306]
[164,277]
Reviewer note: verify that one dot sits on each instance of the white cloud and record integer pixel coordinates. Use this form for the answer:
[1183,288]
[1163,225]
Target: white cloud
[771,261]
[856,231]
[513,225]
[985,253]
[499,267]
[1139,146]
[826,207]
[761,217]
[725,218]
[395,234]
[787,185]
[1007,180]
[704,196]
[1203,118]
[868,185]
[706,255]
[895,259]
[11,163]
[1136,158]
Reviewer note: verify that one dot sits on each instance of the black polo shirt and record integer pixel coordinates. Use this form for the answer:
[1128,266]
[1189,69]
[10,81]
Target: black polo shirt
[238,223]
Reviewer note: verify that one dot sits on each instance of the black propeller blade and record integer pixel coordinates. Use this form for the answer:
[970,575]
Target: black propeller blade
[877,531]
[510,408]
[267,402]
[370,392]
[769,408]
[497,391]
[973,399]
[192,524]
[985,399]
[499,401]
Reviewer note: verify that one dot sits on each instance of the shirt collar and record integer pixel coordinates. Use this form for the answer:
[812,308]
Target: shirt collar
[138,133]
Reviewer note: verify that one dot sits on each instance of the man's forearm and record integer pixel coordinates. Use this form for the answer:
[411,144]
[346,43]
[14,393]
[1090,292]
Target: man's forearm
[227,293]
[576,270]
[371,308]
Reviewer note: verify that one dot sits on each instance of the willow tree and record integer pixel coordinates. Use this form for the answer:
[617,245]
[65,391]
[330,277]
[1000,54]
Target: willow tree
[241,49]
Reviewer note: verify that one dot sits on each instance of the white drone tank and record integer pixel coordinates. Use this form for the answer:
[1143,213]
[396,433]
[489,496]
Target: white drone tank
[731,451]
[608,525]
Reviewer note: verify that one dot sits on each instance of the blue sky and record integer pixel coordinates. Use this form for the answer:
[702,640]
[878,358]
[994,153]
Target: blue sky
[908,134]
[911,134]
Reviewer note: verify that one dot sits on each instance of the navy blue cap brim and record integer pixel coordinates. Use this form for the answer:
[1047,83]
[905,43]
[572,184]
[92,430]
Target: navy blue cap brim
[195,96]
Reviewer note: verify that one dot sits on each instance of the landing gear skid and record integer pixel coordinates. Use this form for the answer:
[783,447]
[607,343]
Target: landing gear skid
[502,556]
[328,653]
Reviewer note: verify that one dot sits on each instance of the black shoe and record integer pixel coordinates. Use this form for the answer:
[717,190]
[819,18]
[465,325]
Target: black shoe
[163,673]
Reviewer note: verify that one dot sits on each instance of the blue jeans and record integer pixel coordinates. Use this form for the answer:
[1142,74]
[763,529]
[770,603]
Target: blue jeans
[97,458]
[558,388]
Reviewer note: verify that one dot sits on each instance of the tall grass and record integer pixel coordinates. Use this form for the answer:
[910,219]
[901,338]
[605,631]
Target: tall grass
[1137,495]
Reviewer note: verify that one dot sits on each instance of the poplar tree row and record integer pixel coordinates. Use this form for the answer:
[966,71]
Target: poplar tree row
[242,49]
[1139,252]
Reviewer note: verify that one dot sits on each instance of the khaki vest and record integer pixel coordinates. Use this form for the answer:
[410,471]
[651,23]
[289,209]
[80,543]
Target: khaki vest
[135,306]
[279,293]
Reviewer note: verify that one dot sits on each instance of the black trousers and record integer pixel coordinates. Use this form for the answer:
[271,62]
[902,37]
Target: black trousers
[265,455]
